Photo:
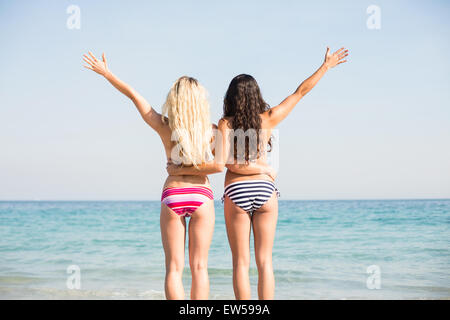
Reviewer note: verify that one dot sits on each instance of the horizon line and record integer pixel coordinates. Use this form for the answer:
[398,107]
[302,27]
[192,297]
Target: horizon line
[153,200]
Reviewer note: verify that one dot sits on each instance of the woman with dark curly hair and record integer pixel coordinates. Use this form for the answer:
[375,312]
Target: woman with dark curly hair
[250,199]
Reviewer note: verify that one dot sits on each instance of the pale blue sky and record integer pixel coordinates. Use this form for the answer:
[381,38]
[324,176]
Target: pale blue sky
[376,127]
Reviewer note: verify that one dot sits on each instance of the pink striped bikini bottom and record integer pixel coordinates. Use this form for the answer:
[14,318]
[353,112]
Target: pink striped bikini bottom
[184,201]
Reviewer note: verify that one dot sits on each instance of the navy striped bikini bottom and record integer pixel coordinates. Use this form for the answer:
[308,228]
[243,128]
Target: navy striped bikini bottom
[250,195]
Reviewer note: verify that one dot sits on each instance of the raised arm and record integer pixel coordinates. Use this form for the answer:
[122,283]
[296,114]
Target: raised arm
[278,113]
[152,117]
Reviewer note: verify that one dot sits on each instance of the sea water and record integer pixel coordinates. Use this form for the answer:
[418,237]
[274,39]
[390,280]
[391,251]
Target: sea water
[365,249]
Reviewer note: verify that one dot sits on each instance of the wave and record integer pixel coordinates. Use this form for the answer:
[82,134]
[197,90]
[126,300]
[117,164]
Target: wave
[19,280]
[53,293]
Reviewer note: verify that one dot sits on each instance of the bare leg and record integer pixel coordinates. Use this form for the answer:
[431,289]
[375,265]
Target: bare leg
[264,222]
[173,235]
[238,230]
[201,228]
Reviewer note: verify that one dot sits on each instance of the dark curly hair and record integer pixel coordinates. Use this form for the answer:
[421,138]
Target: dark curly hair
[244,103]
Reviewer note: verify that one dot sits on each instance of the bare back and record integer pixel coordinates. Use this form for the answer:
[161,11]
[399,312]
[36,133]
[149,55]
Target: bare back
[165,134]
[266,131]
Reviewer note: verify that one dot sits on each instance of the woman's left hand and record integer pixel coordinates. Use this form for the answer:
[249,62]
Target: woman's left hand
[332,60]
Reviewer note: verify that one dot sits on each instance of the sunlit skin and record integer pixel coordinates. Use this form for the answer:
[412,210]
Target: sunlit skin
[238,222]
[173,227]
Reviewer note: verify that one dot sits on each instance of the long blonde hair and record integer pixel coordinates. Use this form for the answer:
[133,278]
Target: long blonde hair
[187,109]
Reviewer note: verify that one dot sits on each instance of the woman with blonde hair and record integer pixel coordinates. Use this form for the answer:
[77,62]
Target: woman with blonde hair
[187,133]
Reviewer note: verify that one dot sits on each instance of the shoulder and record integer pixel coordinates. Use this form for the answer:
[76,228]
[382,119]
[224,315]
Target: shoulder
[267,116]
[165,124]
[225,122]
[164,130]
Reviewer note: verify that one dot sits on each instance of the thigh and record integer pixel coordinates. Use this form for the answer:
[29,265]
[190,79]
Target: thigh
[238,224]
[173,235]
[264,221]
[201,228]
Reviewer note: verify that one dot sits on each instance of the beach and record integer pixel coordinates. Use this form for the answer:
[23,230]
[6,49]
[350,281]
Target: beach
[322,250]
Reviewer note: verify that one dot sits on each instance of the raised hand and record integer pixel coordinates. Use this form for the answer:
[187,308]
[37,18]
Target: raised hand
[332,60]
[96,65]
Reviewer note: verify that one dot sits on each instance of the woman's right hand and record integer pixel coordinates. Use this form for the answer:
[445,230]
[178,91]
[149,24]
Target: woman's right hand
[252,169]
[96,65]
[271,172]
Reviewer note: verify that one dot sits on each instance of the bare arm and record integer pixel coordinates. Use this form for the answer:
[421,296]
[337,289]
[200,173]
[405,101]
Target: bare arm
[213,167]
[149,115]
[221,150]
[252,168]
[202,170]
[220,160]
[278,113]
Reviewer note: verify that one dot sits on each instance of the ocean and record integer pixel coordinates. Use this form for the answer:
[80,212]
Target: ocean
[346,249]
